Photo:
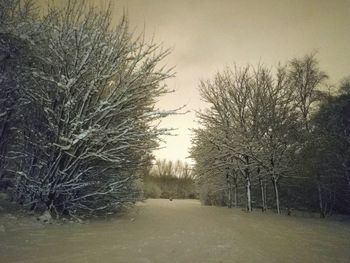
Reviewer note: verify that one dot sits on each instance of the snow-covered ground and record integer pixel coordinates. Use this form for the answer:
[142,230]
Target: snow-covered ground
[178,231]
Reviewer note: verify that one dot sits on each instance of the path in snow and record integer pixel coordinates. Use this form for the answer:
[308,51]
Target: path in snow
[179,231]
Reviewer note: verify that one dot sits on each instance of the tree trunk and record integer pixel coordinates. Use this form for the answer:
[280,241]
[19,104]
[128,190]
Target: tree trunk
[248,185]
[275,186]
[262,190]
[289,209]
[320,199]
[229,189]
[263,204]
[332,201]
[229,205]
[3,144]
[265,195]
[235,193]
[249,199]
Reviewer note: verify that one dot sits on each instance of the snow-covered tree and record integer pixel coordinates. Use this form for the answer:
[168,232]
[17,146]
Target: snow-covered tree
[255,124]
[87,105]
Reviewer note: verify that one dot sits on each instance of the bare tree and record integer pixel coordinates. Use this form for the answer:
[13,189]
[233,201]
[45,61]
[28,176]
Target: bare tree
[306,79]
[256,119]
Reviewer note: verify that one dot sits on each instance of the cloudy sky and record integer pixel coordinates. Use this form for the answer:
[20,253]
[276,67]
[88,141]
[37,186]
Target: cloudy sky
[207,35]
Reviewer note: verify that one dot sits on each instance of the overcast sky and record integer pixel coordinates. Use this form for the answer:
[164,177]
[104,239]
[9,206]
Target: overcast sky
[207,35]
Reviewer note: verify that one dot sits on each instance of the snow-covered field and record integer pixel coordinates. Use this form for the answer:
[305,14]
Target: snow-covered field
[177,231]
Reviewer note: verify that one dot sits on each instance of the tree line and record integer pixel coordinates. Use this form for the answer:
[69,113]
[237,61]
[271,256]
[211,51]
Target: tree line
[274,138]
[167,179]
[77,108]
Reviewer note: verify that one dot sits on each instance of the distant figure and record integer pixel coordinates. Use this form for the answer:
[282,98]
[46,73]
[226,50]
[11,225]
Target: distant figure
[170,199]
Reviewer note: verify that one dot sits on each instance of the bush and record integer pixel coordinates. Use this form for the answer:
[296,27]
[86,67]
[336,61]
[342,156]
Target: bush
[80,116]
[152,190]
